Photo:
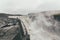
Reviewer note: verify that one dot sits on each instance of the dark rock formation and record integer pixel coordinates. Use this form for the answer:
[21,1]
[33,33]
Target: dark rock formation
[12,28]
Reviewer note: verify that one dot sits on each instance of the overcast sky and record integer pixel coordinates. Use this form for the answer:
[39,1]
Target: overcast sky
[29,4]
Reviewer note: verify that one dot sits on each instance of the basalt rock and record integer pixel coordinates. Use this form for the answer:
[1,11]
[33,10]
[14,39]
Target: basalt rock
[12,28]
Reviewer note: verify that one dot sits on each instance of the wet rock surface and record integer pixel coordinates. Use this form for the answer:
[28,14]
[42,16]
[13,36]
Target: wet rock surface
[12,29]
[34,26]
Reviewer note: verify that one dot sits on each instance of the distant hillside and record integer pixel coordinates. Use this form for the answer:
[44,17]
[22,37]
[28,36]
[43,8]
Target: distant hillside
[5,15]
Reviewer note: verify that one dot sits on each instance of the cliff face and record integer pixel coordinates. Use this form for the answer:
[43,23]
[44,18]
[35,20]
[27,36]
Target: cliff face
[9,28]
[34,26]
[12,27]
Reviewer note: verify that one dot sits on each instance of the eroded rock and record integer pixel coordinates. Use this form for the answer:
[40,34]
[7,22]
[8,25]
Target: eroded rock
[13,28]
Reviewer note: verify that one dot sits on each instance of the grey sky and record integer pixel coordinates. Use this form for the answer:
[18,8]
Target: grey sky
[19,4]
[29,4]
[50,5]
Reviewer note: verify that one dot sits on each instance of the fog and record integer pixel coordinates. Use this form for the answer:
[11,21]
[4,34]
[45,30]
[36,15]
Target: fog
[28,5]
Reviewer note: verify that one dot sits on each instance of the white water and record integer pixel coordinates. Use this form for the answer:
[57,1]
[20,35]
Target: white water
[38,32]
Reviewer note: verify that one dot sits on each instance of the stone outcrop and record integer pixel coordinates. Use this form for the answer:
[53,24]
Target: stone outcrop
[34,26]
[13,28]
